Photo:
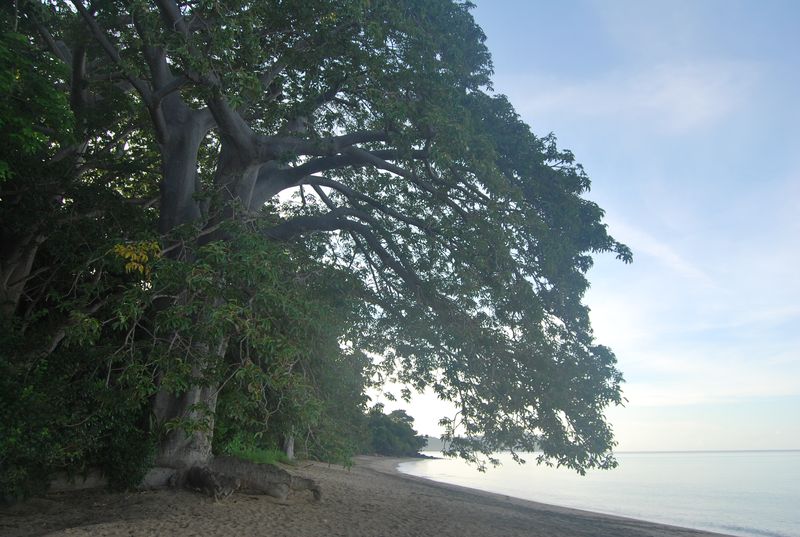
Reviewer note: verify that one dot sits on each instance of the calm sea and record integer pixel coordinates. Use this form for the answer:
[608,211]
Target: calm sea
[747,493]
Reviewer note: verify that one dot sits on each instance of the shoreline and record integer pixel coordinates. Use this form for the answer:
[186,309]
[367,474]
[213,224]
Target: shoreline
[370,499]
[389,466]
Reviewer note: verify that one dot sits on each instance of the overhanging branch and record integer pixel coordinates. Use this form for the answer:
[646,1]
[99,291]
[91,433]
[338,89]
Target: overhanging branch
[352,194]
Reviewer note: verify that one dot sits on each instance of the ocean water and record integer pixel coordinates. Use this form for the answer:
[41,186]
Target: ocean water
[744,493]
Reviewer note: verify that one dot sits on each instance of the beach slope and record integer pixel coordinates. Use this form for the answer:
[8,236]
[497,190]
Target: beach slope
[370,499]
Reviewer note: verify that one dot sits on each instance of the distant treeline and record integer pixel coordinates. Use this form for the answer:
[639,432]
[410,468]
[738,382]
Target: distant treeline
[392,434]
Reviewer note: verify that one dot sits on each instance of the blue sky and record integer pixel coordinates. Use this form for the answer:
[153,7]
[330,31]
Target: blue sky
[685,116]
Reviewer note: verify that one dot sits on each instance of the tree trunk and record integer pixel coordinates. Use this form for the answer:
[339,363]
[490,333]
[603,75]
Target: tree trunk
[179,166]
[288,446]
[179,448]
[235,179]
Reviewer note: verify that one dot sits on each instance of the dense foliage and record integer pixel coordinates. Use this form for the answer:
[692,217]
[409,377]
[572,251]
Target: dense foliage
[221,224]
[62,407]
[392,434]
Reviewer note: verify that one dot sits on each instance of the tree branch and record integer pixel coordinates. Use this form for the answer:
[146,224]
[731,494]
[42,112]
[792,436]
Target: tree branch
[173,17]
[352,194]
[272,179]
[172,86]
[231,124]
[304,224]
[370,158]
[58,48]
[273,147]
[111,51]
[335,220]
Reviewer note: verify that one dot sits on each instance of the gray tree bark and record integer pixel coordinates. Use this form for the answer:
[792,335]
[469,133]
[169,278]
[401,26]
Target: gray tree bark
[288,446]
[185,130]
[16,262]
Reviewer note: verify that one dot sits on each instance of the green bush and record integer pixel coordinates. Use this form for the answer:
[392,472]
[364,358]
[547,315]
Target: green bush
[392,434]
[255,454]
[59,414]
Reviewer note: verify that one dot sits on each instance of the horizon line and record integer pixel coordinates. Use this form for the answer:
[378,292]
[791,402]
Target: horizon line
[769,450]
[656,451]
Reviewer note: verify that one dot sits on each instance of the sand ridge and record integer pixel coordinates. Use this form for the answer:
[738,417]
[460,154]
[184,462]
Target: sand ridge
[370,500]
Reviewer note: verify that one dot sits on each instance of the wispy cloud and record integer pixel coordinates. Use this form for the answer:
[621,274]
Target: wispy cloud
[667,256]
[672,98]
[687,129]
[718,387]
[750,318]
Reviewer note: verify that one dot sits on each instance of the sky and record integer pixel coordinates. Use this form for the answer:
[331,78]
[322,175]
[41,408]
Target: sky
[685,115]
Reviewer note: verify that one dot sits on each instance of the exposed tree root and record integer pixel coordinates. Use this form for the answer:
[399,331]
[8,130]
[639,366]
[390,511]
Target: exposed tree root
[225,475]
[264,478]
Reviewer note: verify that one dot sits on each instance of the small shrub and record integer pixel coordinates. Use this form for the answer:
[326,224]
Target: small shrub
[238,448]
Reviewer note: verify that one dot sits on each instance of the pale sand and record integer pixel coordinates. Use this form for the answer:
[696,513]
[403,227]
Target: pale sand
[371,499]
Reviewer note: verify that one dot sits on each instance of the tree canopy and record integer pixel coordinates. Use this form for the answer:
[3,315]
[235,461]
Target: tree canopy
[251,210]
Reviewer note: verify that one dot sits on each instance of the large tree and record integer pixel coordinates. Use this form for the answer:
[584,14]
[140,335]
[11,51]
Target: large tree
[367,131]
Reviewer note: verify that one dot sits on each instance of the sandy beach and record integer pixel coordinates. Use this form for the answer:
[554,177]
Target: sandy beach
[370,499]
